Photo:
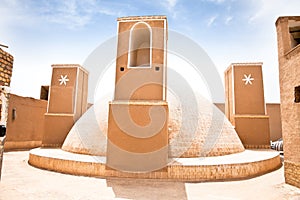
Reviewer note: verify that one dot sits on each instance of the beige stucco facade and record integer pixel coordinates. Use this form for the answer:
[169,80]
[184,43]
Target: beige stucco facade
[288,38]
[141,58]
[25,123]
[245,104]
[138,115]
[67,101]
[273,111]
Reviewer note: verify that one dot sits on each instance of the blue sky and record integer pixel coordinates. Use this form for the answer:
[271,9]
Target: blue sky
[41,33]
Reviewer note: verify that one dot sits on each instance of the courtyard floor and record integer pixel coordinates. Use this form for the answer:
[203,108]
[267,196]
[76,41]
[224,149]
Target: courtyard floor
[22,181]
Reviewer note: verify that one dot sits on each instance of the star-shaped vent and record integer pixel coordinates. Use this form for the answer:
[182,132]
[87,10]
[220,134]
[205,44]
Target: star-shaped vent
[248,79]
[63,79]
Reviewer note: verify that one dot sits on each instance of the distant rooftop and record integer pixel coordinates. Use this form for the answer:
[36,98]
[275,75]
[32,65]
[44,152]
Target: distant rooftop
[2,45]
[293,18]
[247,63]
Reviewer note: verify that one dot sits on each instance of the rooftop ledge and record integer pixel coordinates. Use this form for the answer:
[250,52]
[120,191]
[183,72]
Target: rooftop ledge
[134,18]
[294,51]
[243,64]
[247,64]
[139,102]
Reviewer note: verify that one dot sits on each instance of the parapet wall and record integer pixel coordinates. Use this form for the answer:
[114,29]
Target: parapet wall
[273,111]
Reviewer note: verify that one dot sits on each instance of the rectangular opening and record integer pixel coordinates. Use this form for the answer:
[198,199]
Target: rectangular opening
[297,94]
[295,35]
[44,92]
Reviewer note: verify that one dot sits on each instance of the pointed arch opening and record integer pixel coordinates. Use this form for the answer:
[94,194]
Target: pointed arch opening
[140,45]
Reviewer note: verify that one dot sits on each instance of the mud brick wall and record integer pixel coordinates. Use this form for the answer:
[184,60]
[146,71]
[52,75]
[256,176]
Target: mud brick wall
[25,123]
[6,66]
[289,76]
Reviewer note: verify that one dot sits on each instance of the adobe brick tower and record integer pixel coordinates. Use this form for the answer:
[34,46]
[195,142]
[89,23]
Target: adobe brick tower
[67,102]
[288,39]
[138,115]
[245,104]
[6,66]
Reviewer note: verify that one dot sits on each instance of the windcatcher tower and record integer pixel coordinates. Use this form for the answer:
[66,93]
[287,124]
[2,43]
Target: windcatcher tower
[245,104]
[138,115]
[67,101]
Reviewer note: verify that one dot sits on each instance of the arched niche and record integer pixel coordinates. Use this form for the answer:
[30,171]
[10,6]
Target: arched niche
[140,43]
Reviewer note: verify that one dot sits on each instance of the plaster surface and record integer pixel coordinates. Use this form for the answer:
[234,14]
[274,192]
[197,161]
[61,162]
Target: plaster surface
[192,132]
[21,181]
[246,164]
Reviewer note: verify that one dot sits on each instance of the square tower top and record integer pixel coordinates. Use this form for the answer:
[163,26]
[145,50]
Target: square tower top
[141,18]
[288,36]
[141,58]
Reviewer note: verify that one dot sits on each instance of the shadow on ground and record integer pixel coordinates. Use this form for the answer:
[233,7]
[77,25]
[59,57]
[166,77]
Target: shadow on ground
[145,188]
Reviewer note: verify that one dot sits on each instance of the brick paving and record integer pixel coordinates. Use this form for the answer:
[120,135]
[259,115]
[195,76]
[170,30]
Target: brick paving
[22,181]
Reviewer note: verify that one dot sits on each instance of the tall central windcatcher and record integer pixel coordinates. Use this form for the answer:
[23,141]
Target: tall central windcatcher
[138,115]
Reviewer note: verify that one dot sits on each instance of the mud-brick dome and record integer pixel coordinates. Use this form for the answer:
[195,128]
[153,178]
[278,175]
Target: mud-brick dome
[194,130]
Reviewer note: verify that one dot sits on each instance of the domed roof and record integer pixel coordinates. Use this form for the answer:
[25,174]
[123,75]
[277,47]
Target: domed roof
[194,130]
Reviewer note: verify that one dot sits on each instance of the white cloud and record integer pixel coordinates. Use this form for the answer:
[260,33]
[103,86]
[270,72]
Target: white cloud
[70,13]
[228,20]
[217,1]
[76,13]
[211,20]
[14,13]
[170,5]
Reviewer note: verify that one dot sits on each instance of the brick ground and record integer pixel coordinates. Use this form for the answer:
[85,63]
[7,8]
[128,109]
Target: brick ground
[21,181]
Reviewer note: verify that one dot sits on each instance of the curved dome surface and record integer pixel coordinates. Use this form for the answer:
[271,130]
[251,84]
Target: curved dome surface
[195,130]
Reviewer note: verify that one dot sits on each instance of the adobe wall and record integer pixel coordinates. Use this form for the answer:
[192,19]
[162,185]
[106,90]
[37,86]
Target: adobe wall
[6,66]
[273,111]
[245,104]
[221,106]
[25,123]
[289,77]
[67,102]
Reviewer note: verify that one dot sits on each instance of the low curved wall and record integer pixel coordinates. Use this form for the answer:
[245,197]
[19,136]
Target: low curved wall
[243,165]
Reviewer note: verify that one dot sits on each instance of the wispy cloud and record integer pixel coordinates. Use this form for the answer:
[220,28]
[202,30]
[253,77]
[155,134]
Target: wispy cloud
[14,12]
[76,13]
[211,20]
[70,13]
[228,20]
[170,5]
[217,1]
